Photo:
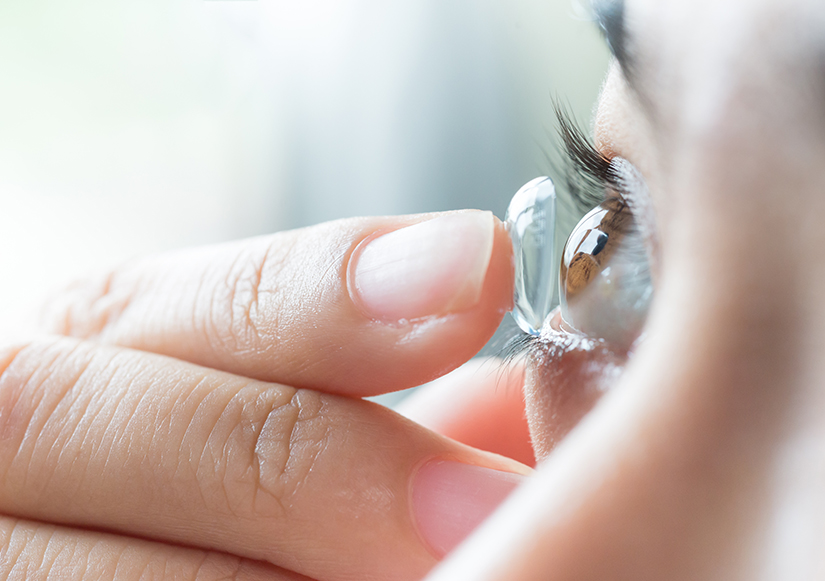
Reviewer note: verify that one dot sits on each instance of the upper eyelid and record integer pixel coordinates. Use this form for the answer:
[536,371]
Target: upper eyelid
[622,38]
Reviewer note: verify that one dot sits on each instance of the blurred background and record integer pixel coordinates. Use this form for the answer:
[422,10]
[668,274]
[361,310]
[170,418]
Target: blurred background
[133,126]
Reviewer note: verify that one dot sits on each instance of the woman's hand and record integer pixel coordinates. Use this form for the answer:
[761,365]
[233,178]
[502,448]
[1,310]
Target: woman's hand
[199,419]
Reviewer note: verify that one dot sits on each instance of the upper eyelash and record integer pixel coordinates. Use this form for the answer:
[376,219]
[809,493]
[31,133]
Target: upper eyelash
[587,173]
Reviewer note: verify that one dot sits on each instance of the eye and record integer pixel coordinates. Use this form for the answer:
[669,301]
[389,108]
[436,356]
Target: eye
[604,279]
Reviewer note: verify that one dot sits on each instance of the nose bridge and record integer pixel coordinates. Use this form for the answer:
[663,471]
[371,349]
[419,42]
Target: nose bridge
[733,282]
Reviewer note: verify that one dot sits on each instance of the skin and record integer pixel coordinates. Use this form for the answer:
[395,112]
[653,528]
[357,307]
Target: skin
[702,459]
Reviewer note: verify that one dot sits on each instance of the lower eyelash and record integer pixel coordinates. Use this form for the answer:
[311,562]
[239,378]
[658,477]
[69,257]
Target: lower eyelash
[518,346]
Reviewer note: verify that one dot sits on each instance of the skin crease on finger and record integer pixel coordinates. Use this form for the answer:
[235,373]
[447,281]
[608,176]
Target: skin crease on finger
[706,460]
[36,551]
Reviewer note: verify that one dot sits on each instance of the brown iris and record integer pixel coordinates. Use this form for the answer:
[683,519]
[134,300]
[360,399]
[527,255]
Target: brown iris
[597,238]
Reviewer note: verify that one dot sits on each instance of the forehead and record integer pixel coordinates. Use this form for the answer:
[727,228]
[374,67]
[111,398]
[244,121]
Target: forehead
[717,72]
[699,53]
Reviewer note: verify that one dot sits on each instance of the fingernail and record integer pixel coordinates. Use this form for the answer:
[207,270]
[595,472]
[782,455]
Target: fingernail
[430,268]
[451,499]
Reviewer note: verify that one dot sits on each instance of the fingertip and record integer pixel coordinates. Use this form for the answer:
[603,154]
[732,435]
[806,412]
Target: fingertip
[451,499]
[426,348]
[501,272]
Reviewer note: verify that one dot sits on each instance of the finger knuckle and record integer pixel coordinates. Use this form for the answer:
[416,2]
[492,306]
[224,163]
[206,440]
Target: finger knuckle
[34,380]
[16,547]
[87,308]
[41,551]
[273,437]
[33,550]
[237,320]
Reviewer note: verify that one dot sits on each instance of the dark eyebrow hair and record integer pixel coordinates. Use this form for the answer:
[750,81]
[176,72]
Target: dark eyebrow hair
[610,18]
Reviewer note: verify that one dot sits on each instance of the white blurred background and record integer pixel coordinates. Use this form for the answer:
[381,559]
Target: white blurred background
[134,126]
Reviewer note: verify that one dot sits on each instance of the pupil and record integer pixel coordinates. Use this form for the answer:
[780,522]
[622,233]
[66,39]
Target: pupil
[600,243]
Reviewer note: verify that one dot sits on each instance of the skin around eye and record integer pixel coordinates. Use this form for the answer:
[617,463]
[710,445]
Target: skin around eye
[605,292]
[567,375]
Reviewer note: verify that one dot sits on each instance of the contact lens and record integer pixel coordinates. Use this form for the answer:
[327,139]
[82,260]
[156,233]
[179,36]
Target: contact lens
[531,222]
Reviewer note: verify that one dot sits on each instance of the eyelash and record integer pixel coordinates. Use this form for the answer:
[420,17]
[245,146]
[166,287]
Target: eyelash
[586,173]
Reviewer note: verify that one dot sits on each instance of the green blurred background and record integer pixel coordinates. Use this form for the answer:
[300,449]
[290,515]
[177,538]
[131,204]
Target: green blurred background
[134,126]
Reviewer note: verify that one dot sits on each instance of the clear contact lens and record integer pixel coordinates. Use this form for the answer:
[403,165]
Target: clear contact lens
[531,222]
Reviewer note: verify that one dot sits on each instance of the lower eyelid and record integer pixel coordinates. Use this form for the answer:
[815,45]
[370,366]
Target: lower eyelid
[567,375]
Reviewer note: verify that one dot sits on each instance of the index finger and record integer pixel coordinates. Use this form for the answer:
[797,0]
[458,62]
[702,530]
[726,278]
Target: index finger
[359,306]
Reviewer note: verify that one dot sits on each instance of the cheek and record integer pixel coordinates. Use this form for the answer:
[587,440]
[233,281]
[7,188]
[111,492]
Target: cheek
[566,377]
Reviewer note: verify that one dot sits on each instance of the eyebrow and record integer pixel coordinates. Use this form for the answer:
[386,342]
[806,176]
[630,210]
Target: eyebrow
[610,17]
[611,21]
